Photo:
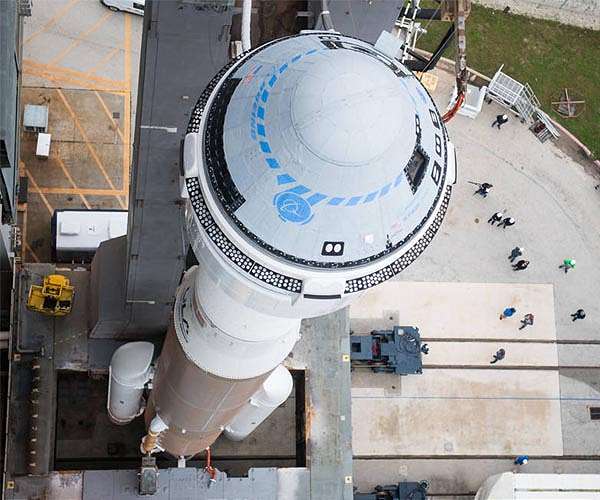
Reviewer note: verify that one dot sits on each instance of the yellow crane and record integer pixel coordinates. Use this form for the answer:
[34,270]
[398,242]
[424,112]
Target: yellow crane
[54,297]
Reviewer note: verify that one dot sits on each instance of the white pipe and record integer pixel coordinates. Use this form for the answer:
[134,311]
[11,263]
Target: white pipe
[246,19]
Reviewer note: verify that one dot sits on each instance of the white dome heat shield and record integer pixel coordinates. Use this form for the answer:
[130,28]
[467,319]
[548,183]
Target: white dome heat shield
[319,152]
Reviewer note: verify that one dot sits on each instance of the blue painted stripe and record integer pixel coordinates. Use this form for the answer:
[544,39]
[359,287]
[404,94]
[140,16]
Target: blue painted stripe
[283,67]
[272,80]
[264,147]
[272,162]
[261,113]
[285,179]
[385,189]
[295,58]
[260,129]
[370,197]
[316,198]
[311,51]
[335,201]
[353,201]
[264,96]
[257,69]
[398,180]
[299,189]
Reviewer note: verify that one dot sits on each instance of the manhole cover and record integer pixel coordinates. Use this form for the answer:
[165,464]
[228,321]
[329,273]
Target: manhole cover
[116,115]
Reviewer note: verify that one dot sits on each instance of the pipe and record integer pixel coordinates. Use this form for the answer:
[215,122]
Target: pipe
[246,21]
[326,16]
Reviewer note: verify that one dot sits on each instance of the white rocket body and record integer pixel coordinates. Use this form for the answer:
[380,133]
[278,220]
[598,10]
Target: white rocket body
[315,167]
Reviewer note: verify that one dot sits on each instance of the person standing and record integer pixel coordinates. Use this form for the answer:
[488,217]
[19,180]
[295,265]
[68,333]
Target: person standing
[500,120]
[567,264]
[579,314]
[521,265]
[497,217]
[507,221]
[521,459]
[526,321]
[508,312]
[515,252]
[499,356]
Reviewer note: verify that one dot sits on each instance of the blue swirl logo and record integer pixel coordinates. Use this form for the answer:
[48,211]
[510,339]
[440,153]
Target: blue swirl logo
[293,208]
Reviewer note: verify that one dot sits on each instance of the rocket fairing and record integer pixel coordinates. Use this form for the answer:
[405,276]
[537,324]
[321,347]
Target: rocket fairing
[316,167]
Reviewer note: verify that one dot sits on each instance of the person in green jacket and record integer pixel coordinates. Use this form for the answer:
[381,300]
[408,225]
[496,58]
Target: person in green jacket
[567,264]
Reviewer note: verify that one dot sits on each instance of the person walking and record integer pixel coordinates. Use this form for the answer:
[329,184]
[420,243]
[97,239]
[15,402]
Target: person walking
[515,252]
[508,312]
[484,189]
[521,265]
[500,120]
[497,217]
[526,321]
[567,264]
[521,459]
[579,314]
[507,221]
[499,356]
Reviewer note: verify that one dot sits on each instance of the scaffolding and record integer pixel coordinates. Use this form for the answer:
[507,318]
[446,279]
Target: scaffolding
[514,95]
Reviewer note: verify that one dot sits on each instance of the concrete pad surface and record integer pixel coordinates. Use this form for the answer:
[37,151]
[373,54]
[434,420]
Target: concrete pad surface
[459,383]
[480,354]
[454,476]
[459,412]
[456,310]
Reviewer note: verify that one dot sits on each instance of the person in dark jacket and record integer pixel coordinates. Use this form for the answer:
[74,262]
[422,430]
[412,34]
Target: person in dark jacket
[507,221]
[521,265]
[497,217]
[526,321]
[515,252]
[500,120]
[499,356]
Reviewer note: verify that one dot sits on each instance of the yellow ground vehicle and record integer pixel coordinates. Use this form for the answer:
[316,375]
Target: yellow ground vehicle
[54,297]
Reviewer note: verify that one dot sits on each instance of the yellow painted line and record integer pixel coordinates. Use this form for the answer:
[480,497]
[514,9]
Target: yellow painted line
[70,179]
[62,81]
[53,20]
[78,191]
[109,115]
[127,105]
[88,144]
[82,38]
[33,254]
[104,61]
[36,188]
[58,71]
[127,47]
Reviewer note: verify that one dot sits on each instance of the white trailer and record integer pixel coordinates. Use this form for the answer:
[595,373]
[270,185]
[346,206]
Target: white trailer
[76,234]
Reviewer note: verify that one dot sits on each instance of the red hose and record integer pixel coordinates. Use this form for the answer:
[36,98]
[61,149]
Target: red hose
[209,468]
[451,112]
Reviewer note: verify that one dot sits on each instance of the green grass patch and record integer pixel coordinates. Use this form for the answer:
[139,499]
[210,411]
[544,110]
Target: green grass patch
[548,55]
